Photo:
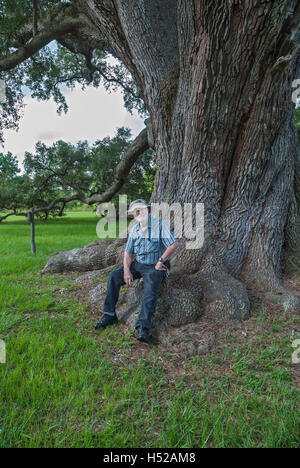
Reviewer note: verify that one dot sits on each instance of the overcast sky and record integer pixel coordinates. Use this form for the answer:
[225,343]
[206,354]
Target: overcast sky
[93,114]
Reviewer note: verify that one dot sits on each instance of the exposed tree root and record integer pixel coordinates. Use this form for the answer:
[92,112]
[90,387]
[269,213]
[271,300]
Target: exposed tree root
[225,298]
[94,256]
[270,288]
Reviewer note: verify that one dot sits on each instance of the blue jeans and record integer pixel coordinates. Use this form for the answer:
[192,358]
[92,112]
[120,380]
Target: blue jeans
[152,281]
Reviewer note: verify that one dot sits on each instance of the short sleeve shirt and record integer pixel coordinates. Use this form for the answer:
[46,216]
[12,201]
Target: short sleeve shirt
[150,244]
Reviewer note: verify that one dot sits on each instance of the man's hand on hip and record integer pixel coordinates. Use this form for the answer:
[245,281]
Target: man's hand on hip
[160,266]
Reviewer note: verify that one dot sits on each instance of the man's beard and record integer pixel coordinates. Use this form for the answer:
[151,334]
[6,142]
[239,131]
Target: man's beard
[142,218]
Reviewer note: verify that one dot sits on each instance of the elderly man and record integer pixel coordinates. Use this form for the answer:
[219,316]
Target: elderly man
[153,243]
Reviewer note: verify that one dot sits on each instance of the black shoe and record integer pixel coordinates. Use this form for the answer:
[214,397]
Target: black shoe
[106,320]
[143,335]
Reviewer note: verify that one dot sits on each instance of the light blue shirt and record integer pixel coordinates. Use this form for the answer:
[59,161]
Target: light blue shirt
[150,244]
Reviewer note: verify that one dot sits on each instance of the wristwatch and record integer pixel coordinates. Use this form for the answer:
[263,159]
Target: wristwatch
[161,260]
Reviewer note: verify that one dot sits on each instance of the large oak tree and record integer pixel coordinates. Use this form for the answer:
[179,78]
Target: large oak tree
[216,78]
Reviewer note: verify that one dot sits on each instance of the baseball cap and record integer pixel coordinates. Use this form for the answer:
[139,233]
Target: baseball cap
[136,204]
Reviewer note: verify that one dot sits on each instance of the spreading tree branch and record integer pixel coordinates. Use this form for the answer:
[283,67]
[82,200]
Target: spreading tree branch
[14,213]
[51,29]
[138,147]
[93,68]
[77,46]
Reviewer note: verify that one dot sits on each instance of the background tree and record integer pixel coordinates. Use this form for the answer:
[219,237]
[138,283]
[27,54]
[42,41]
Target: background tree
[90,171]
[14,188]
[21,193]
[58,175]
[217,81]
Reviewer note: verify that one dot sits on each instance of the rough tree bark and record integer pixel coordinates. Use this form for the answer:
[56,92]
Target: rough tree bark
[217,78]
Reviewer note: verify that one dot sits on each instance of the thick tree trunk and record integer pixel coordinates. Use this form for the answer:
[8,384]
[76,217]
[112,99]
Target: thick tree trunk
[217,80]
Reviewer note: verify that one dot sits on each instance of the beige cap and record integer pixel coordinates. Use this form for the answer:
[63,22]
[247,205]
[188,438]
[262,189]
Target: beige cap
[136,204]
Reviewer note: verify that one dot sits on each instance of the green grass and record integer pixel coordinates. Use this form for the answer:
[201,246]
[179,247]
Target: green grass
[63,385]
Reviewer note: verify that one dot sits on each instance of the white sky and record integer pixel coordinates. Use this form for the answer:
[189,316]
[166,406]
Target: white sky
[93,114]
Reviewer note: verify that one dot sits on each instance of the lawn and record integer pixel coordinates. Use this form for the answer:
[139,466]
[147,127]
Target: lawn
[64,385]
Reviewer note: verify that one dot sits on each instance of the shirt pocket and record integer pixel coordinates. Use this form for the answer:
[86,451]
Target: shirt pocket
[151,245]
[137,245]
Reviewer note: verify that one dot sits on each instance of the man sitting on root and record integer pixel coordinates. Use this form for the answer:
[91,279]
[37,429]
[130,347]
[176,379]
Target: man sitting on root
[152,243]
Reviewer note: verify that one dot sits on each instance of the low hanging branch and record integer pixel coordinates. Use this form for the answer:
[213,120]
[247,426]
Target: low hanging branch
[44,208]
[138,147]
[13,213]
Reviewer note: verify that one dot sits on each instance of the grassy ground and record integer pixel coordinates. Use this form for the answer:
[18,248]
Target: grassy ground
[64,385]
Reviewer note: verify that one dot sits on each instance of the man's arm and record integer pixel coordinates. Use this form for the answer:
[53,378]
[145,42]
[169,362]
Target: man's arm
[169,241]
[129,252]
[128,278]
[128,258]
[167,253]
